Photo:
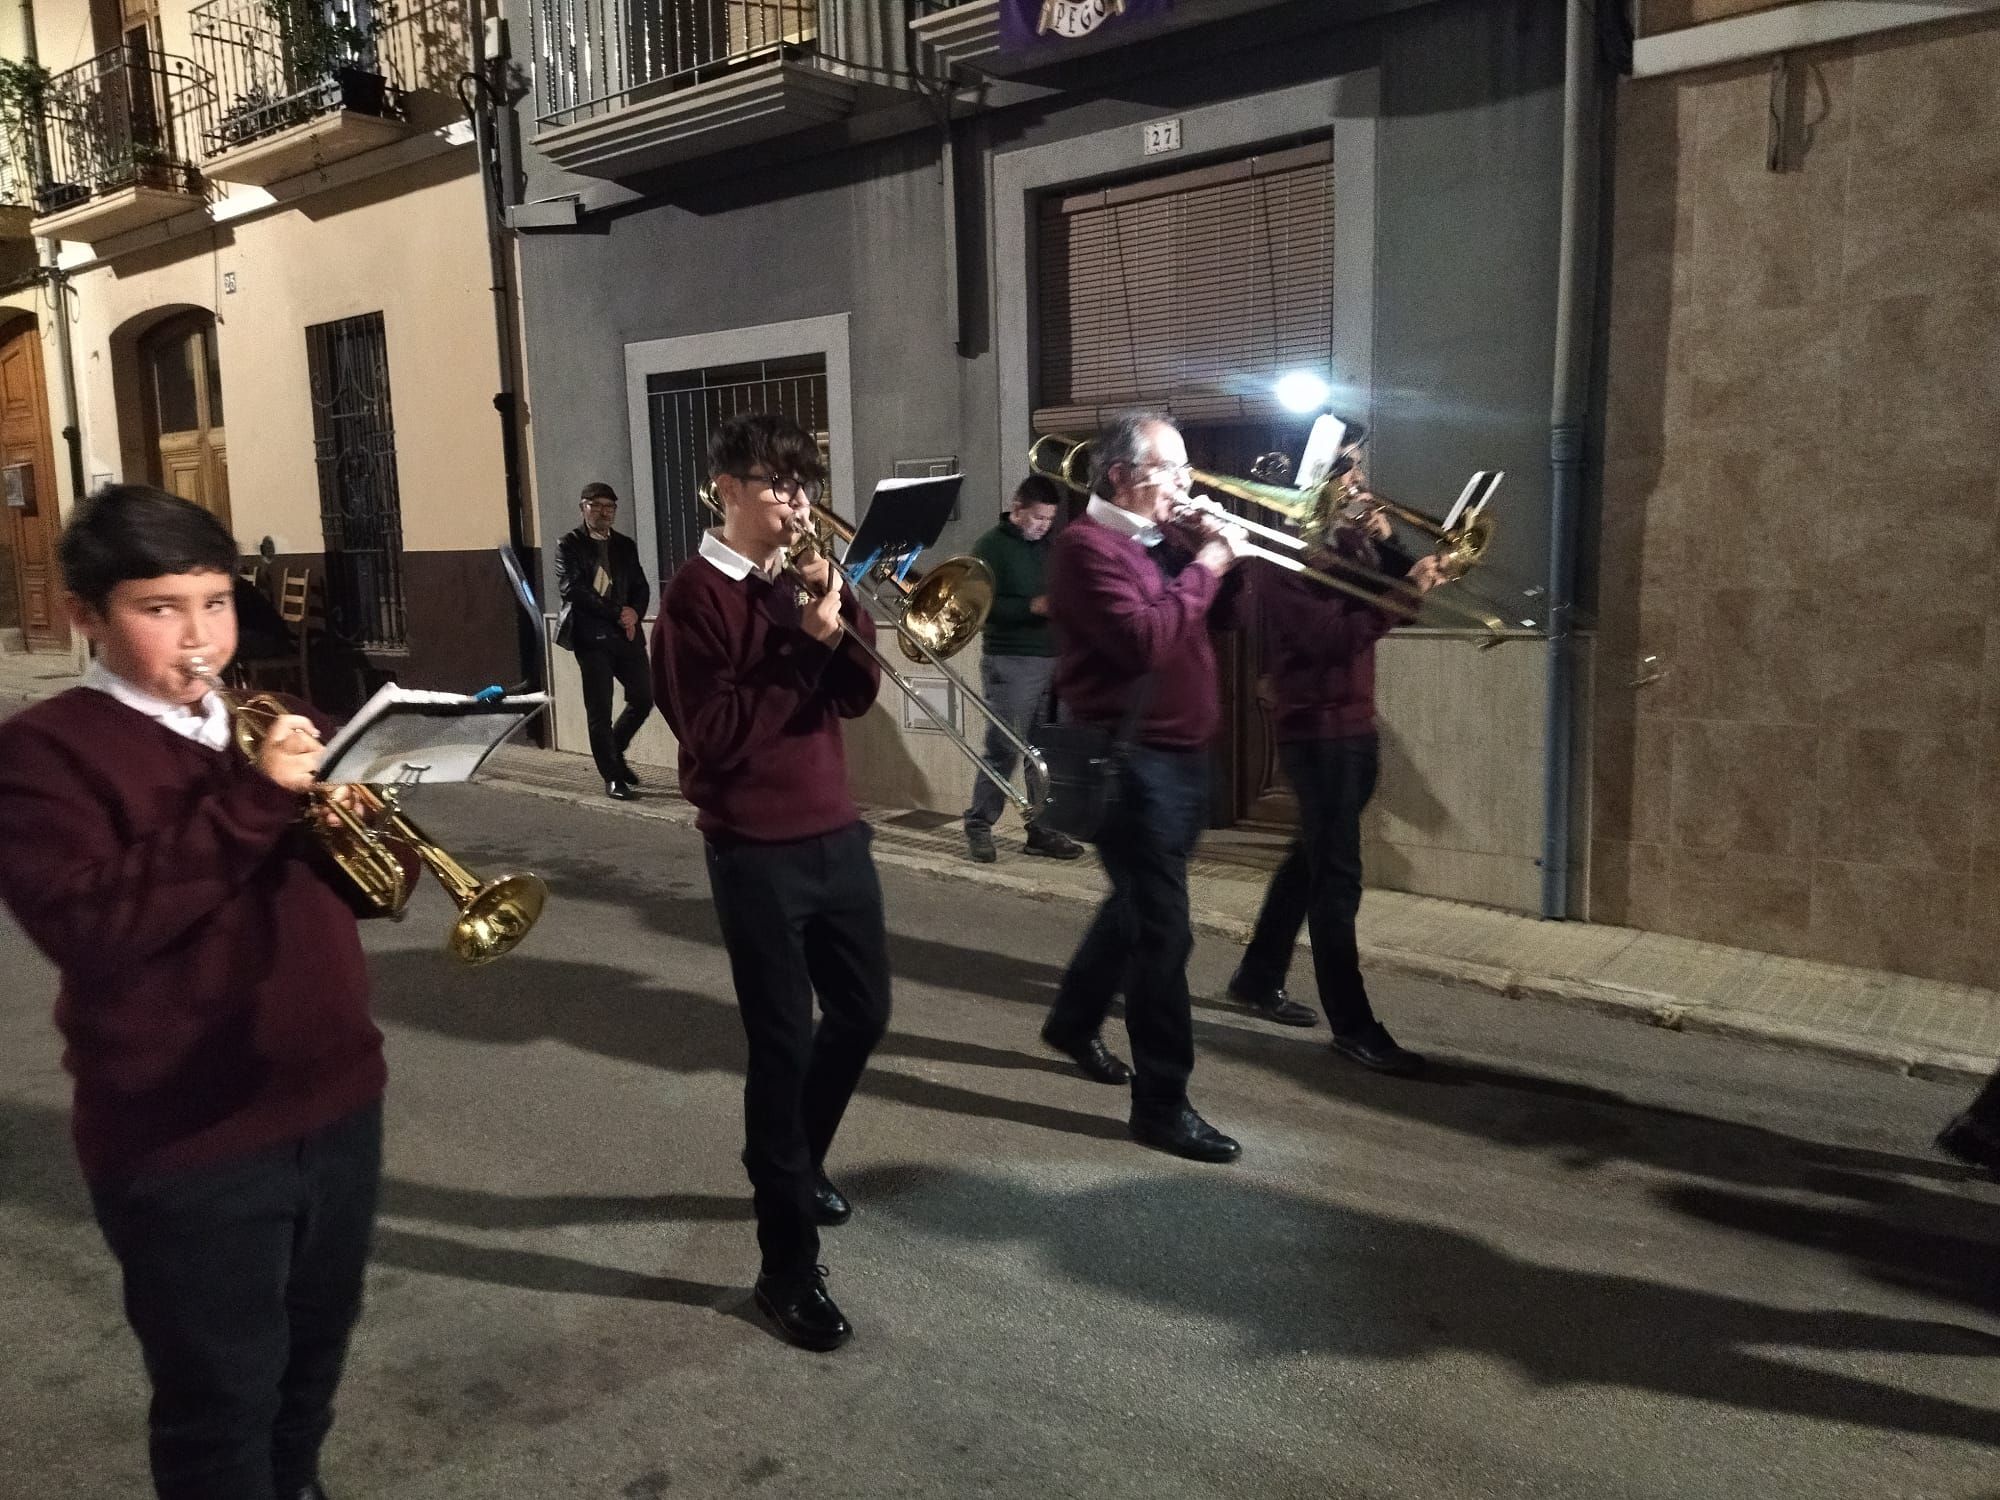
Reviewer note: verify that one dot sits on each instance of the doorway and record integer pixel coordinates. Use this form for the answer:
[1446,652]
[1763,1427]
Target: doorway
[27,465]
[182,381]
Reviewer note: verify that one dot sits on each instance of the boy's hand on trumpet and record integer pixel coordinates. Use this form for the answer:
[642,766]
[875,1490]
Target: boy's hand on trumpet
[290,752]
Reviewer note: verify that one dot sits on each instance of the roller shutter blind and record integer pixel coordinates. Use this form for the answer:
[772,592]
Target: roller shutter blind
[1191,292]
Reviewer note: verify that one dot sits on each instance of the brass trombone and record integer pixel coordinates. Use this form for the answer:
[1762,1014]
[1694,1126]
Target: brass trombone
[933,619]
[368,825]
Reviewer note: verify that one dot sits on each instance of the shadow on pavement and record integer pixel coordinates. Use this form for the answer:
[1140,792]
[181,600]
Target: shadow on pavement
[1290,1274]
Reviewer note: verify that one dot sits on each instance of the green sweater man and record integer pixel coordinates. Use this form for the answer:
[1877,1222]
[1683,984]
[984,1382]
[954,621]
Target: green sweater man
[1017,660]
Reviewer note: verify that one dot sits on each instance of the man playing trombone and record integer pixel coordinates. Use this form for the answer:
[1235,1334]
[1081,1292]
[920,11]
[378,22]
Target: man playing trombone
[1132,589]
[755,663]
[1318,649]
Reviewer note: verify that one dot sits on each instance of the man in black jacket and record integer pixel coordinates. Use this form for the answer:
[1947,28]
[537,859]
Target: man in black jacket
[604,590]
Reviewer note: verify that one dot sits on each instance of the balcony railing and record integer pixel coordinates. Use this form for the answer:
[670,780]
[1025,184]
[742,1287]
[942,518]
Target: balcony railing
[17,176]
[126,118]
[280,63]
[596,56]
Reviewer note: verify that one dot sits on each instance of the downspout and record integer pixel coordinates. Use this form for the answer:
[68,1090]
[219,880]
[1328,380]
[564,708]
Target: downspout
[58,279]
[1575,282]
[490,93]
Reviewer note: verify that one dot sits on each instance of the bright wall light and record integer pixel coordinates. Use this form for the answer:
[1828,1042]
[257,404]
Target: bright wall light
[1302,391]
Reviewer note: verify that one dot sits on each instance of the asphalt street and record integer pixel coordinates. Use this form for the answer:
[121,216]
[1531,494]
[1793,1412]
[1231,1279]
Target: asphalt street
[1582,1259]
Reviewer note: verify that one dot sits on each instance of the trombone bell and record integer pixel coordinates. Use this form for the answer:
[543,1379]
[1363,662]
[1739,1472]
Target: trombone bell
[947,608]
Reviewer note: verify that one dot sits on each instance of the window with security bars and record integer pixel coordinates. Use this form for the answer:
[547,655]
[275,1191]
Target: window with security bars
[360,507]
[682,408]
[1191,292]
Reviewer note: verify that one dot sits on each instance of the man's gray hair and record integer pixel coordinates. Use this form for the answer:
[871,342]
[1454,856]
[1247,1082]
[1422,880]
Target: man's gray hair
[1122,441]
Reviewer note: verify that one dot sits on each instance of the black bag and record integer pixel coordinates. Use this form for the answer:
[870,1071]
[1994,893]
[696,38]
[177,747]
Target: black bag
[1084,761]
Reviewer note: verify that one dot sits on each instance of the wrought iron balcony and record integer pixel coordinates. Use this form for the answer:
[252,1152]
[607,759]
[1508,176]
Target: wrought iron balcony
[17,184]
[121,132]
[301,83]
[627,86]
[596,56]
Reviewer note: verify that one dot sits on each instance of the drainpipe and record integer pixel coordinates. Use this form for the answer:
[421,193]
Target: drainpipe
[487,95]
[58,279]
[1576,277]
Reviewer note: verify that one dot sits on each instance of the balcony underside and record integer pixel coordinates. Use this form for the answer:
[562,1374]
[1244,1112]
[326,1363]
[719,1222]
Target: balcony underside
[108,215]
[302,147]
[757,104]
[964,34]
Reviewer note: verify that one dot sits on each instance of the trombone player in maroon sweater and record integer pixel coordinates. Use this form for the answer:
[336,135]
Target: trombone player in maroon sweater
[1133,590]
[214,1004]
[754,671]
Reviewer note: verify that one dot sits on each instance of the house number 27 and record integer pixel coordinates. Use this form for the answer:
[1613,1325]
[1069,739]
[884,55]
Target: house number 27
[1161,135]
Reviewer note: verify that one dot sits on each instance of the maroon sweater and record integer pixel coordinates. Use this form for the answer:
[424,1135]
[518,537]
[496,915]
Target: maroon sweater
[756,703]
[1121,612]
[1318,650]
[214,1000]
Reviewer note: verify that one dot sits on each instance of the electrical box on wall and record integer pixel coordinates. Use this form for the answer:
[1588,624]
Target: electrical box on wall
[939,693]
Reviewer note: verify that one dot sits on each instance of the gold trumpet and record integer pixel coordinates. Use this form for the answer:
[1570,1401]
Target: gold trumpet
[361,828]
[933,619]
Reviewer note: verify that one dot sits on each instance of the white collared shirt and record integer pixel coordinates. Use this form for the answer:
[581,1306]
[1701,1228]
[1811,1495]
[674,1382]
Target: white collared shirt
[732,564]
[206,722]
[1124,522]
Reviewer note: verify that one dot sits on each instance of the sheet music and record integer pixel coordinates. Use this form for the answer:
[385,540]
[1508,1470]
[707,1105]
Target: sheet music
[410,737]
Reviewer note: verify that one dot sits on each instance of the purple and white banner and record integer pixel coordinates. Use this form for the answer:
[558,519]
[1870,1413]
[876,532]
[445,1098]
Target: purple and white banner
[1023,23]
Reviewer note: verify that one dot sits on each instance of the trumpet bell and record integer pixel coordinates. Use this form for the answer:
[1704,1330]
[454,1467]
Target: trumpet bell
[947,609]
[494,918]
[1464,545]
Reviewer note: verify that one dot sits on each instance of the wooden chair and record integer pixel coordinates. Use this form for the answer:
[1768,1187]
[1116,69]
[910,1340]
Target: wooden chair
[292,672]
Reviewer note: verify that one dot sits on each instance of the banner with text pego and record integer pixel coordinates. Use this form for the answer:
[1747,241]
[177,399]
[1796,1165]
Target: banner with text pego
[1025,23]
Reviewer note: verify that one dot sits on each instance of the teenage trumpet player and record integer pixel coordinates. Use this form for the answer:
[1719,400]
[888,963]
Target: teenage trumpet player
[1134,584]
[754,669]
[213,1002]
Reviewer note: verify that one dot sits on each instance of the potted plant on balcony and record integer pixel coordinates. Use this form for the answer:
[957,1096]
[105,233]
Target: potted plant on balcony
[330,58]
[24,101]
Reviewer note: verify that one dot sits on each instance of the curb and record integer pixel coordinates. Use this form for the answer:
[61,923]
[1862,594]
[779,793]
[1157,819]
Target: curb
[1620,1002]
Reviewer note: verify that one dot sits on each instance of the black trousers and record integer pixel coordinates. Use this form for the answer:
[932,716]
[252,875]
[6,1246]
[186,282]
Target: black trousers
[599,661]
[1320,880]
[1139,942]
[798,919]
[1985,1107]
[242,1282]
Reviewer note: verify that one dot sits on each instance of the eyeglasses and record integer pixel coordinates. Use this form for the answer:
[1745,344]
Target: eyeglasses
[1163,471]
[610,505]
[787,487]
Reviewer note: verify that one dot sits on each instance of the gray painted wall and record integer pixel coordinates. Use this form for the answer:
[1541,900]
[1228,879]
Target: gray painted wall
[1466,205]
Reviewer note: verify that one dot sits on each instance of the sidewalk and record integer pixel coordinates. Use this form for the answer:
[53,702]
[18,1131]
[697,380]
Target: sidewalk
[1922,1027]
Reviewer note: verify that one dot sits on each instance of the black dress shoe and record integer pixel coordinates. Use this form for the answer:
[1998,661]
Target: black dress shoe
[1052,845]
[621,790]
[1969,1141]
[1092,1056]
[1376,1049]
[1184,1133]
[804,1314]
[629,776]
[1273,1005]
[830,1205]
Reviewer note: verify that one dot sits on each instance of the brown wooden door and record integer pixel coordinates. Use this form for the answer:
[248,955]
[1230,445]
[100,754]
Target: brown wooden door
[184,410]
[27,465]
[1248,788]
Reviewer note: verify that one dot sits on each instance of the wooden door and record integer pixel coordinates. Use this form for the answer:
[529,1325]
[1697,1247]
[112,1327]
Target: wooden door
[1248,787]
[27,466]
[184,410]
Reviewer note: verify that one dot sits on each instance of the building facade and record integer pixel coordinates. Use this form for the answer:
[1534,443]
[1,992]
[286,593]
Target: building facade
[270,253]
[1802,487]
[934,248]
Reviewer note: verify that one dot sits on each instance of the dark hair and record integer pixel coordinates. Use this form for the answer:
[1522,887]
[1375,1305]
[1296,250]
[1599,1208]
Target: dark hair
[597,489]
[1037,489]
[1123,441]
[128,531]
[768,439]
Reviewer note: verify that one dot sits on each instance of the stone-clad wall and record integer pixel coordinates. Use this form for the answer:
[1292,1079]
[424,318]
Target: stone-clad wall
[1801,493]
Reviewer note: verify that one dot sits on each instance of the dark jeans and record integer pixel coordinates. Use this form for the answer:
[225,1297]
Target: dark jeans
[1138,945]
[242,1282]
[1017,689]
[1320,880]
[800,918]
[599,662]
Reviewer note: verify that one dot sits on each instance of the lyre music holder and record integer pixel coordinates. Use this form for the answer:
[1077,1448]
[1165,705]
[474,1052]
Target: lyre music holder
[904,517]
